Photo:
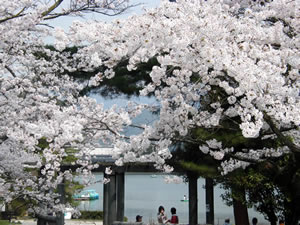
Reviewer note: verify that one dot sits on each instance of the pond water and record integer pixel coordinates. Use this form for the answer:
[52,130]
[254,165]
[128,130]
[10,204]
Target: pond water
[144,193]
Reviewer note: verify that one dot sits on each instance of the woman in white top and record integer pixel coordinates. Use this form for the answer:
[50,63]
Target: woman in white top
[161,216]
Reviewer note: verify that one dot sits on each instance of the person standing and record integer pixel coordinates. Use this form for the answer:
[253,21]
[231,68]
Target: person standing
[254,221]
[281,222]
[227,221]
[138,219]
[161,216]
[174,218]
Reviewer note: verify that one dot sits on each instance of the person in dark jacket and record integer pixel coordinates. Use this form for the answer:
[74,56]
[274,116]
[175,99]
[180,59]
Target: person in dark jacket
[174,218]
[138,219]
[254,221]
[227,222]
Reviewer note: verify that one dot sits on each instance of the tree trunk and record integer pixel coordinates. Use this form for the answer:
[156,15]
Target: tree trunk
[240,210]
[292,212]
[273,222]
[292,207]
[272,217]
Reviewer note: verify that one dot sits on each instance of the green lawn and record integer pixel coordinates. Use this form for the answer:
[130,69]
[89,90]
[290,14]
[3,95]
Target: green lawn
[6,222]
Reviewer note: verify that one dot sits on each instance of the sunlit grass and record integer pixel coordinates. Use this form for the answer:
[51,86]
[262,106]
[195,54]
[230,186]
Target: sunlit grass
[4,222]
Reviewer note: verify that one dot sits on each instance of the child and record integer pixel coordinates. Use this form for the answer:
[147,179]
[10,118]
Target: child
[174,219]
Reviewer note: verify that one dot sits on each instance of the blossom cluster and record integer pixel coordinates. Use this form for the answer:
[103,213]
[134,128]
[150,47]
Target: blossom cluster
[217,60]
[44,119]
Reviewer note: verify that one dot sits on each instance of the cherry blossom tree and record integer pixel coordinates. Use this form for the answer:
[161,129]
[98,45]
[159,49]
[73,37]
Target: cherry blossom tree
[250,57]
[42,113]
[222,65]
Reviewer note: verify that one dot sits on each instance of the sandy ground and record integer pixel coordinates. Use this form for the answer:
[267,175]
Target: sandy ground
[67,222]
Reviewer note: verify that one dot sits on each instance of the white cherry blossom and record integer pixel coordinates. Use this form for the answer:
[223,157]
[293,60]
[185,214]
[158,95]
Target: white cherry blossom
[233,50]
[43,117]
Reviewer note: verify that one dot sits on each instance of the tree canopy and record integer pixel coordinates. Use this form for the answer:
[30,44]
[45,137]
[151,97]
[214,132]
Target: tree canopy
[218,62]
[228,68]
[43,115]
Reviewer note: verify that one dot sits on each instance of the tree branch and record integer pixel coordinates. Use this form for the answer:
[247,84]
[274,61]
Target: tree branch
[294,148]
[51,8]
[90,9]
[244,159]
[14,16]
[10,70]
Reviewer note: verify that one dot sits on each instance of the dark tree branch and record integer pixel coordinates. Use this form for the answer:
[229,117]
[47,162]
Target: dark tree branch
[89,8]
[53,7]
[13,16]
[294,148]
[10,70]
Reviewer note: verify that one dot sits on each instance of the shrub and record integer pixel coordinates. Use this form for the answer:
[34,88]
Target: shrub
[94,215]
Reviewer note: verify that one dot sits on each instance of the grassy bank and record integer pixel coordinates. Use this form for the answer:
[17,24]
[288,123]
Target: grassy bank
[6,222]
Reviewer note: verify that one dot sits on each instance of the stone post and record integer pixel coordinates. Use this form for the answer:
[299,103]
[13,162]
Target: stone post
[112,200]
[105,201]
[60,219]
[193,199]
[209,197]
[120,195]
